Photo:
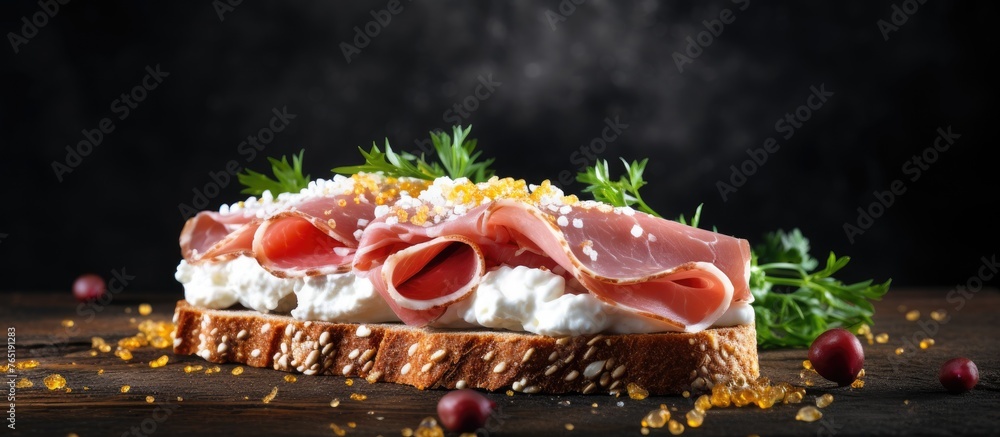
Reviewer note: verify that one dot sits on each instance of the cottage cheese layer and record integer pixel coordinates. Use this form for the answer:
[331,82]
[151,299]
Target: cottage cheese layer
[514,298]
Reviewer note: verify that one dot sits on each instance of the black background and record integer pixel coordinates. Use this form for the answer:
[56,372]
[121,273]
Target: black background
[119,208]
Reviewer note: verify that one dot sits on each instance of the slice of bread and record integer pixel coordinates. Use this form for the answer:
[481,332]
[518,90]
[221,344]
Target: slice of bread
[663,363]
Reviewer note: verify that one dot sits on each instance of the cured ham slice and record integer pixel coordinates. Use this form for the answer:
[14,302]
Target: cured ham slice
[311,233]
[684,276]
[315,237]
[213,236]
[422,280]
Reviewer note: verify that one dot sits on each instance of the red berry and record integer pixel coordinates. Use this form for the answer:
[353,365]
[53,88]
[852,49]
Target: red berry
[464,410]
[837,356]
[959,375]
[88,287]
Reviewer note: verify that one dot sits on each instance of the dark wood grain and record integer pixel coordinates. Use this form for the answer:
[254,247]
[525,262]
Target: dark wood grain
[901,395]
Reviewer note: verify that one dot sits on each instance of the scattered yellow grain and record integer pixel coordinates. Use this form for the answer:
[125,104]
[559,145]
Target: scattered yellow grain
[145,309]
[703,403]
[939,315]
[150,399]
[290,379]
[358,396]
[510,392]
[656,418]
[406,432]
[675,427]
[270,396]
[926,343]
[824,401]
[686,394]
[237,371]
[191,369]
[55,381]
[100,371]
[899,351]
[806,364]
[335,402]
[124,354]
[644,431]
[67,323]
[24,383]
[429,428]
[882,338]
[125,388]
[26,365]
[808,414]
[913,315]
[160,342]
[636,392]
[348,382]
[159,362]
[858,383]
[569,426]
[337,430]
[695,418]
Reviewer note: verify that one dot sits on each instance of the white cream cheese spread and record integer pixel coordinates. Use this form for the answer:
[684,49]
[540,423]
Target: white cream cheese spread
[513,298]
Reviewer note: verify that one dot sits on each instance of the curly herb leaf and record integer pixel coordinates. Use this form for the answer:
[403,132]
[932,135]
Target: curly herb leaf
[456,153]
[288,178]
[624,191]
[795,304]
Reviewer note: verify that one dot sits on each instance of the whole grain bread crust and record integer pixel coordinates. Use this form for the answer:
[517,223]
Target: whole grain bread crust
[661,363]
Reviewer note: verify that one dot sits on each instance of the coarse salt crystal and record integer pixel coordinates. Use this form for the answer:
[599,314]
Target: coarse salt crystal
[578,223]
[636,231]
[562,221]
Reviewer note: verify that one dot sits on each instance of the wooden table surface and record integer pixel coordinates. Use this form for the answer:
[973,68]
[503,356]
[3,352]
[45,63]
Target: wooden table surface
[901,394]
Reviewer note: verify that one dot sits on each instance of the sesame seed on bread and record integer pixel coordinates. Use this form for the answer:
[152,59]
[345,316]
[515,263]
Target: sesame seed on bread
[661,363]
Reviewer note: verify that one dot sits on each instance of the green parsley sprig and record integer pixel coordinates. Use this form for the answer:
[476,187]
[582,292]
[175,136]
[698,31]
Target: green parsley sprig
[456,158]
[793,302]
[288,178]
[624,191]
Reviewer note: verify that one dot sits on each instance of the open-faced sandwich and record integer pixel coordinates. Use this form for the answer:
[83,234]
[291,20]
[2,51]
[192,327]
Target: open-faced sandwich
[391,272]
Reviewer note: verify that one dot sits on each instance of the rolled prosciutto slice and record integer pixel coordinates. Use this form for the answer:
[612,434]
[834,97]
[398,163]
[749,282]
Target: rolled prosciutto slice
[214,236]
[684,276]
[419,282]
[316,237]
